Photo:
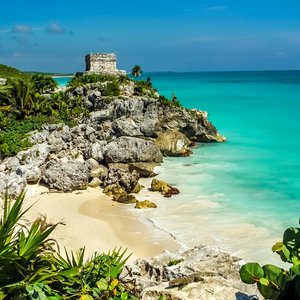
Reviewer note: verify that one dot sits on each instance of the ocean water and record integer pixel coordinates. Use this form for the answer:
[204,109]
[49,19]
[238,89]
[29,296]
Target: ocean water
[242,194]
[62,80]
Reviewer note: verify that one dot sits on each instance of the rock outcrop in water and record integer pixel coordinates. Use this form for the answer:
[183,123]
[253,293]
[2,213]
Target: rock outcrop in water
[127,129]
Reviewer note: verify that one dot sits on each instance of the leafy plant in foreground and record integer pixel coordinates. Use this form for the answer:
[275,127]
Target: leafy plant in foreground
[274,282]
[30,268]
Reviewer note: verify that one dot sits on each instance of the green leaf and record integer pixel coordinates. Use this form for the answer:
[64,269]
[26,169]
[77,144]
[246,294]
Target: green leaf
[282,250]
[275,275]
[102,284]
[124,296]
[264,281]
[251,273]
[162,297]
[267,291]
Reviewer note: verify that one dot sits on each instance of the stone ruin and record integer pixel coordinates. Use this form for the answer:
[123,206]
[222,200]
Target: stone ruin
[102,63]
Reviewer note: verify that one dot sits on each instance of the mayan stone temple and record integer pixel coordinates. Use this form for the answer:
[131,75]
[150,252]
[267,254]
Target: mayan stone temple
[102,63]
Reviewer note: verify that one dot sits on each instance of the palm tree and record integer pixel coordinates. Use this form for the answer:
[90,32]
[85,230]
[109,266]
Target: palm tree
[17,96]
[43,83]
[136,71]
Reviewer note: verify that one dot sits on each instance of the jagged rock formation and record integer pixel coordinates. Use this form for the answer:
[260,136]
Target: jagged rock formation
[127,129]
[200,273]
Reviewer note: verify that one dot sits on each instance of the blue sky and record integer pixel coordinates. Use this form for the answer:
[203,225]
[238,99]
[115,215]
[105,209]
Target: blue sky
[203,35]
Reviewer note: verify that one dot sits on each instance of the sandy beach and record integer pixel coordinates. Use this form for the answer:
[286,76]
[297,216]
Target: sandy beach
[92,220]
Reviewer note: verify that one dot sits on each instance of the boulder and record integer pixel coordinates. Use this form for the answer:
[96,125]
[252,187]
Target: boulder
[131,149]
[99,172]
[91,164]
[113,189]
[145,169]
[200,273]
[36,155]
[13,184]
[163,187]
[144,204]
[124,198]
[67,155]
[100,116]
[10,164]
[72,175]
[30,173]
[126,127]
[137,188]
[173,143]
[127,180]
[95,182]
[96,151]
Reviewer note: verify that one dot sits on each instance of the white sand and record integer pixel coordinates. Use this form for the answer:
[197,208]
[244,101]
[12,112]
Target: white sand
[97,223]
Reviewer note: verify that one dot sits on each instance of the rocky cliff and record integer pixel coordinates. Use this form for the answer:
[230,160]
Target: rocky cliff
[126,129]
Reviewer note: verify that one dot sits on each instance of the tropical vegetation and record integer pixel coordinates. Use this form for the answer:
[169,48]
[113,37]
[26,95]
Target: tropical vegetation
[26,102]
[29,100]
[272,281]
[32,268]
[136,71]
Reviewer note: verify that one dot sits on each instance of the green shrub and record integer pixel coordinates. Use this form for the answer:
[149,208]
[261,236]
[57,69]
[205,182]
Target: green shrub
[167,102]
[32,269]
[13,139]
[80,79]
[111,89]
[274,282]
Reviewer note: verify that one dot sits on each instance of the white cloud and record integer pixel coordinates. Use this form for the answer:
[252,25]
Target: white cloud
[55,28]
[22,29]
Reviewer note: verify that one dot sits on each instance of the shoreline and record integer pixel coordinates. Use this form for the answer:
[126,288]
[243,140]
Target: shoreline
[97,223]
[61,76]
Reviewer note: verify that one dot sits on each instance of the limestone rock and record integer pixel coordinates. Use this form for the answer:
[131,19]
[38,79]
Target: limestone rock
[96,151]
[126,127]
[30,173]
[13,184]
[127,180]
[145,169]
[113,189]
[91,164]
[66,155]
[100,116]
[137,189]
[145,204]
[174,143]
[131,149]
[163,187]
[10,164]
[72,175]
[99,172]
[36,155]
[95,182]
[124,198]
[200,273]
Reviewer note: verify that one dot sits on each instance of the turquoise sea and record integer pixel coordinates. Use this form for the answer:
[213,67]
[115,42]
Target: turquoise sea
[242,194]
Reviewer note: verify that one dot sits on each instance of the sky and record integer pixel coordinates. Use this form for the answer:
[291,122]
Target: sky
[159,35]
